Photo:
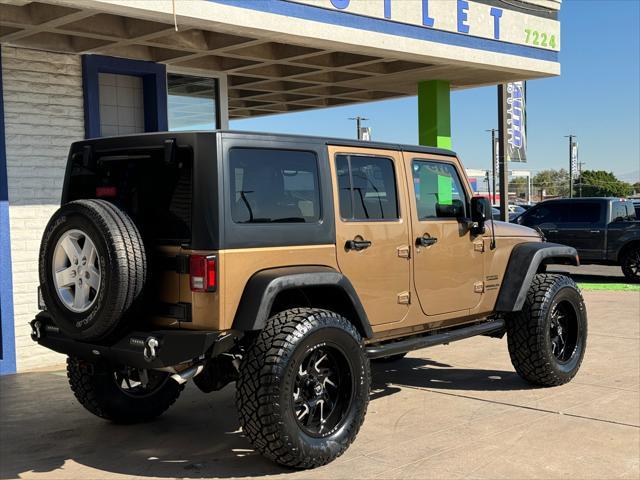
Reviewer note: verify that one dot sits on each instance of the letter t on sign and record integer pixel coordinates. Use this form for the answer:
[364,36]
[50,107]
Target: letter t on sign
[496,13]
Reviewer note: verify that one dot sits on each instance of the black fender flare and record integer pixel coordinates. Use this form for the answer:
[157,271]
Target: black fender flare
[524,262]
[264,286]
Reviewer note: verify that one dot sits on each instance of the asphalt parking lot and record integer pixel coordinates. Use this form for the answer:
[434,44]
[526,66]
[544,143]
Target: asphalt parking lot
[456,411]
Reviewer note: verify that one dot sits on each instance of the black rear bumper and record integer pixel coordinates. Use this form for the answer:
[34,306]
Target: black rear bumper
[139,349]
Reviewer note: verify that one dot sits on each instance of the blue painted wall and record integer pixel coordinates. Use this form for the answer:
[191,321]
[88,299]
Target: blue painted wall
[7,332]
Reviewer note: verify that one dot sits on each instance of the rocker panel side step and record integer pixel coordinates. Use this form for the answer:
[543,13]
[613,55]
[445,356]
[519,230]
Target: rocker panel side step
[416,343]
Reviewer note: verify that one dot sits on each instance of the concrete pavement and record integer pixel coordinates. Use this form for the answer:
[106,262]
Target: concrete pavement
[456,411]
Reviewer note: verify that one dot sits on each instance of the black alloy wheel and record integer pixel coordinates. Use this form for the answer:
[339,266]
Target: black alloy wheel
[630,263]
[563,331]
[322,391]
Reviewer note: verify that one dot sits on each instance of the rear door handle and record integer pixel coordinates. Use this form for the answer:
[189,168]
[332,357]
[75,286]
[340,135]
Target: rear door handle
[552,231]
[425,241]
[357,245]
[594,231]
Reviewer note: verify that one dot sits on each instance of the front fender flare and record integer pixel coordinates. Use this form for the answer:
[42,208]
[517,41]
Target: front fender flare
[523,264]
[263,287]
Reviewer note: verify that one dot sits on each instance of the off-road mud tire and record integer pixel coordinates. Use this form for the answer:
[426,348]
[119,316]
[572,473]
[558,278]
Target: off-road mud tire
[123,267]
[95,388]
[266,379]
[630,263]
[528,334]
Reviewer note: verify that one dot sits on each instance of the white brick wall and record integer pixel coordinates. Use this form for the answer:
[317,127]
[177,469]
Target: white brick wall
[43,114]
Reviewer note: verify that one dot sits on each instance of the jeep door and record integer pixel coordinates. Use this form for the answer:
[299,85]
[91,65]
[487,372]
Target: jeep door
[372,232]
[448,264]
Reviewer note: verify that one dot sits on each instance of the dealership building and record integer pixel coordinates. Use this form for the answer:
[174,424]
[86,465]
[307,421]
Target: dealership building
[74,69]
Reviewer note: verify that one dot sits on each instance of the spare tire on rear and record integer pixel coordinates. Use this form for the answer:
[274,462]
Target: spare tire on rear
[92,268]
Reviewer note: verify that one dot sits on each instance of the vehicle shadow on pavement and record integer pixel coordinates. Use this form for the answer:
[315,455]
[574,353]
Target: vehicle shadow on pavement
[43,429]
[424,373]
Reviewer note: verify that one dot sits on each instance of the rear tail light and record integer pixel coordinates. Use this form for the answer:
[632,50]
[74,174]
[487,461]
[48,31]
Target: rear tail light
[203,273]
[102,192]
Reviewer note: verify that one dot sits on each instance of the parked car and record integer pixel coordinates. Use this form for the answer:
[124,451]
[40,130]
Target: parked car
[514,212]
[284,264]
[602,230]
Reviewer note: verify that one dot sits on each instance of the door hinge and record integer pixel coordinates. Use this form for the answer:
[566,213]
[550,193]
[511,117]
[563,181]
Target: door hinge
[478,287]
[404,298]
[404,251]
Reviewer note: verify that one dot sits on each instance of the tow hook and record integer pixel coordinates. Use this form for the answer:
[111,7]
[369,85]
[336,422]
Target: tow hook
[150,349]
[36,332]
[188,374]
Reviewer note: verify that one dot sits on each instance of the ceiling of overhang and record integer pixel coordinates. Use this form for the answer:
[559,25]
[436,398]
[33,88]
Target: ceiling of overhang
[264,77]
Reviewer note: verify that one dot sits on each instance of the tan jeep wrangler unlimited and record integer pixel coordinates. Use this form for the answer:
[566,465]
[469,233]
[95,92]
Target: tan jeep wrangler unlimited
[284,264]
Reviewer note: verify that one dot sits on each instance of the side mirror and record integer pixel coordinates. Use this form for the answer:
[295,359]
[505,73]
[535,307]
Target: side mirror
[455,210]
[480,210]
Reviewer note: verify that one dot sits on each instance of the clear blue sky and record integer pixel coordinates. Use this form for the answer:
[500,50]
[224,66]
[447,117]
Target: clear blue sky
[597,98]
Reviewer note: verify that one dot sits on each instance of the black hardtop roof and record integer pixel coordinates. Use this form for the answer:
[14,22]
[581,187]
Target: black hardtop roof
[342,141]
[277,137]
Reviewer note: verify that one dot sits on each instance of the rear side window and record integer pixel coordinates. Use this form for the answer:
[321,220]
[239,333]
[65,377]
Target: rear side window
[584,212]
[367,188]
[274,186]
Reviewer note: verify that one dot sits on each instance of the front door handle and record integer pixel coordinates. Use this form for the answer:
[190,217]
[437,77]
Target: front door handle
[425,241]
[552,231]
[357,244]
[594,231]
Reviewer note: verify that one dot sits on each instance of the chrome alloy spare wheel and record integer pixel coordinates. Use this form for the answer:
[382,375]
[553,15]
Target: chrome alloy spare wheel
[76,270]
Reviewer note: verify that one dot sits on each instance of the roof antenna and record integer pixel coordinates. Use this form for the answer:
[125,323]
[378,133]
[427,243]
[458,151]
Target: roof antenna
[175,18]
[492,245]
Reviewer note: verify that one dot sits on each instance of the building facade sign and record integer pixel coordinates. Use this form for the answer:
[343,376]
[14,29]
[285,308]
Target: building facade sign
[534,27]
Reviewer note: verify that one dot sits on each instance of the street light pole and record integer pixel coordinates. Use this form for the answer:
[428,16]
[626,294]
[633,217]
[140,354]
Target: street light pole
[493,163]
[570,137]
[358,120]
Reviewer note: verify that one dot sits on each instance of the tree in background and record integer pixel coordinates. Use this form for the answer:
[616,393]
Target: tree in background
[598,183]
[555,183]
[519,186]
[636,188]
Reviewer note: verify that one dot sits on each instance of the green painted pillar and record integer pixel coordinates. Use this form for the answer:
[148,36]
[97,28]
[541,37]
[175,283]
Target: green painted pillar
[434,113]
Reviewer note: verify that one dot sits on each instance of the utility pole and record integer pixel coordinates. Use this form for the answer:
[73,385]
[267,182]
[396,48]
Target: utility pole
[580,164]
[359,121]
[503,159]
[572,146]
[493,163]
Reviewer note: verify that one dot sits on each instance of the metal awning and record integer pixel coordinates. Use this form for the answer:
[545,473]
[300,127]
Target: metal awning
[272,64]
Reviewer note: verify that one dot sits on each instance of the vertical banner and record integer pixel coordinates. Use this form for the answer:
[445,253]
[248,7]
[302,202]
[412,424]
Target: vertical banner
[514,121]
[574,156]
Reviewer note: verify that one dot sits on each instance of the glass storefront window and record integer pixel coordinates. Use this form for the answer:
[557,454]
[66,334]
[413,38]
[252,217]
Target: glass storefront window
[192,102]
